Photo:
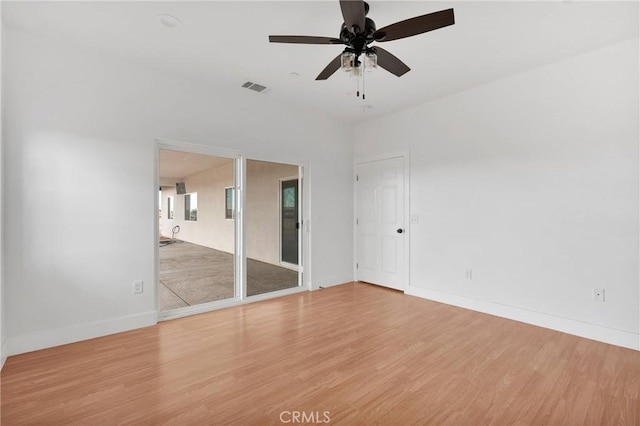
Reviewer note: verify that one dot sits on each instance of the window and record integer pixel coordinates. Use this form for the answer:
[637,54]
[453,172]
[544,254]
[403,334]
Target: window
[191,206]
[169,207]
[228,203]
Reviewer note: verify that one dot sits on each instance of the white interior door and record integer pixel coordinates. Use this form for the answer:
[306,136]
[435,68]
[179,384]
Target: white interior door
[380,228]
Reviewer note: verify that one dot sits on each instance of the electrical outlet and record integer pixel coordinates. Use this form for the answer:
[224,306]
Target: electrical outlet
[468,273]
[138,287]
[598,294]
[414,219]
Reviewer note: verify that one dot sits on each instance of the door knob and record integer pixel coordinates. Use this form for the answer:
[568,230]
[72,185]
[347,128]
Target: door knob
[399,230]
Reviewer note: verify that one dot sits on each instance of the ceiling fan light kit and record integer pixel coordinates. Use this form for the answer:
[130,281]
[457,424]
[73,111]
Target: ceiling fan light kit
[358,32]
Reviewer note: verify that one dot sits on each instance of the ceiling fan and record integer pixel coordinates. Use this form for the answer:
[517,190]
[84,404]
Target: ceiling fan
[358,32]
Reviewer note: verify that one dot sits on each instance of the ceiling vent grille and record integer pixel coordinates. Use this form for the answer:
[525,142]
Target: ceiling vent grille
[254,86]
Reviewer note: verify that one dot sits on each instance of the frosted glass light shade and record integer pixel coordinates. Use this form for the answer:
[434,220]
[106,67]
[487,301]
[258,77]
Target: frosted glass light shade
[370,61]
[347,61]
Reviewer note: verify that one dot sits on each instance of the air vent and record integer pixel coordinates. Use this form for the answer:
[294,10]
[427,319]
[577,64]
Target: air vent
[254,86]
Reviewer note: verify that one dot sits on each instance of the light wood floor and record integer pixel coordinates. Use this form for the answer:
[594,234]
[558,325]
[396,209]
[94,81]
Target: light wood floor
[363,353]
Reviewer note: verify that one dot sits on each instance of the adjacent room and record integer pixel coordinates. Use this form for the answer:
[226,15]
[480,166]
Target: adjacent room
[306,212]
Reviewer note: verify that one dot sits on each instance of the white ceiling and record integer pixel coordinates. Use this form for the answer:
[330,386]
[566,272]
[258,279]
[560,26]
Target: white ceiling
[225,43]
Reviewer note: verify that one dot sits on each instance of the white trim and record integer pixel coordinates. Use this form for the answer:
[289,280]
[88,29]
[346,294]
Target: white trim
[223,304]
[241,257]
[273,294]
[3,352]
[156,226]
[600,333]
[407,218]
[305,215]
[405,155]
[333,281]
[198,309]
[62,336]
[290,266]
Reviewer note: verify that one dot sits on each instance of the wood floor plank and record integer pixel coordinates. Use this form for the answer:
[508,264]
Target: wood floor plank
[364,354]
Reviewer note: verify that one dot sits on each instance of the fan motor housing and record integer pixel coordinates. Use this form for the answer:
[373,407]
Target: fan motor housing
[359,40]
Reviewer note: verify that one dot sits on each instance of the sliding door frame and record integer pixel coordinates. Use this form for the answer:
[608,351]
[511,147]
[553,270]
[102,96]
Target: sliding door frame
[304,236]
[240,273]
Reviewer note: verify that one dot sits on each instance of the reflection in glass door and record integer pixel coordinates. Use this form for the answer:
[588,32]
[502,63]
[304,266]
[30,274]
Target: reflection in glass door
[289,226]
[271,226]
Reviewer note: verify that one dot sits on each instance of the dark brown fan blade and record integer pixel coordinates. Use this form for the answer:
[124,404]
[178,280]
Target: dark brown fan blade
[303,39]
[390,63]
[415,26]
[353,13]
[330,69]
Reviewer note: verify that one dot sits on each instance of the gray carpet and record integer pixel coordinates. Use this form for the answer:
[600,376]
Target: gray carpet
[191,274]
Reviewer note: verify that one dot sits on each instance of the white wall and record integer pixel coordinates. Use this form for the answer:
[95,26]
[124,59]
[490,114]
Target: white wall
[532,182]
[80,187]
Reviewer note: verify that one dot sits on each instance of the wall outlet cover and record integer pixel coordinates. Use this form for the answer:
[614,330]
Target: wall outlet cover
[138,287]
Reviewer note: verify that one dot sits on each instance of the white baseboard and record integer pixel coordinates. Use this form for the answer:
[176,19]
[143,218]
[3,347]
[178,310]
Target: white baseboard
[62,336]
[332,281]
[3,353]
[612,336]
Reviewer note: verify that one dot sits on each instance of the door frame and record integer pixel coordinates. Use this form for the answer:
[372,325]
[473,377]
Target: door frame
[239,157]
[304,215]
[405,155]
[208,306]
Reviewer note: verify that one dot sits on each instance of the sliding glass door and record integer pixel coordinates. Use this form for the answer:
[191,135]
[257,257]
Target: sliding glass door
[197,233]
[229,229]
[271,223]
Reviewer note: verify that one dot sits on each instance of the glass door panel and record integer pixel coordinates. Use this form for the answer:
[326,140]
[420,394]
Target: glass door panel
[271,226]
[197,229]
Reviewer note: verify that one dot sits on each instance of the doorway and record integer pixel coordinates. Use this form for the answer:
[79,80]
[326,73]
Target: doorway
[381,235]
[197,243]
[221,221]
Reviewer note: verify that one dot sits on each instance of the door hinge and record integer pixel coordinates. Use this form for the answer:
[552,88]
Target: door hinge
[357,178]
[357,266]
[357,222]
